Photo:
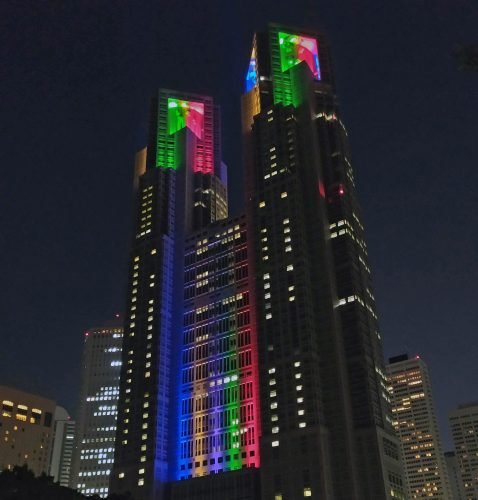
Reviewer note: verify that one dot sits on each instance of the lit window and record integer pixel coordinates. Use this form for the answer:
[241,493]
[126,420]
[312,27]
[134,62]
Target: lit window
[302,425]
[275,444]
[307,492]
[275,430]
[141,482]
[283,195]
[121,475]
[297,364]
[141,471]
[274,418]
[272,370]
[290,267]
[298,387]
[273,405]
[292,298]
[262,204]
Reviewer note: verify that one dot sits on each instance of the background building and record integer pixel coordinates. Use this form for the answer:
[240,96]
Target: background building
[63,447]
[97,410]
[454,476]
[414,419]
[464,429]
[26,430]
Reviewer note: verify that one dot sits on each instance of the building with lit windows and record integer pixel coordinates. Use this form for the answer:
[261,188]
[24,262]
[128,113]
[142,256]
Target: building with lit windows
[464,429]
[63,447]
[252,359]
[415,421]
[97,410]
[26,430]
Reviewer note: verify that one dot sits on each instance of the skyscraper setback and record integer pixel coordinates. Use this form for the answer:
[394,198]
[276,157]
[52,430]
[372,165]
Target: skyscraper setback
[252,360]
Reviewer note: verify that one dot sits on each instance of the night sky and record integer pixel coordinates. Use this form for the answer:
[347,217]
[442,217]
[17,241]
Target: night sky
[75,82]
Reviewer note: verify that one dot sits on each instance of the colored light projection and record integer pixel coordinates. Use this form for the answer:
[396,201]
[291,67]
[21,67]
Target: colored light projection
[218,410]
[174,116]
[295,49]
[251,76]
[186,114]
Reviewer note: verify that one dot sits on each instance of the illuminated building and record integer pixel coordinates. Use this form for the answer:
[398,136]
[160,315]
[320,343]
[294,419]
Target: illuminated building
[97,410]
[464,429]
[252,361]
[414,419]
[26,430]
[180,188]
[63,447]
[326,419]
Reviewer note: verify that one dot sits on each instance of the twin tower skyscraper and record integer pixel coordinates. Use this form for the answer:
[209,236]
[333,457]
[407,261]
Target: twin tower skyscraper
[252,360]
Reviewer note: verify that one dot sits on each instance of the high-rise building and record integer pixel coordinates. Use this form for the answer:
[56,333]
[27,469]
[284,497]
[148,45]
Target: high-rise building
[97,410]
[464,429]
[180,188]
[415,421]
[454,476]
[63,447]
[325,411]
[26,430]
[252,360]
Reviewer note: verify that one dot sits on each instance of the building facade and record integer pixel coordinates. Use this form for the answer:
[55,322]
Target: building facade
[416,424]
[97,410]
[464,429]
[325,418]
[252,359]
[63,447]
[180,187]
[26,430]
[454,476]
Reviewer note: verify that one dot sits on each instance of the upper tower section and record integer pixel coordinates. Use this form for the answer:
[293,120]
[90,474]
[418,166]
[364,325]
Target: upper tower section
[184,132]
[278,56]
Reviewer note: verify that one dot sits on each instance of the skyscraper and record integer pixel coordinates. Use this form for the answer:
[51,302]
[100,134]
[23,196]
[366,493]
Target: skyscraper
[252,361]
[63,447]
[454,476]
[326,426]
[180,187]
[97,409]
[464,429]
[416,424]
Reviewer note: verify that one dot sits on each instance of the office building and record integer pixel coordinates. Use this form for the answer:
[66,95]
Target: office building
[252,359]
[63,447]
[97,410]
[464,429]
[26,430]
[415,421]
[454,476]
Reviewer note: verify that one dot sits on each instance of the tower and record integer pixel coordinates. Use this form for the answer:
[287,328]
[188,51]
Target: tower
[97,409]
[416,424]
[464,429]
[252,361]
[326,426]
[179,188]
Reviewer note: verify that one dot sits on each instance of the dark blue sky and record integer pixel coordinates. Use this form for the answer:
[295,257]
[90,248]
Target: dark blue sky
[75,81]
